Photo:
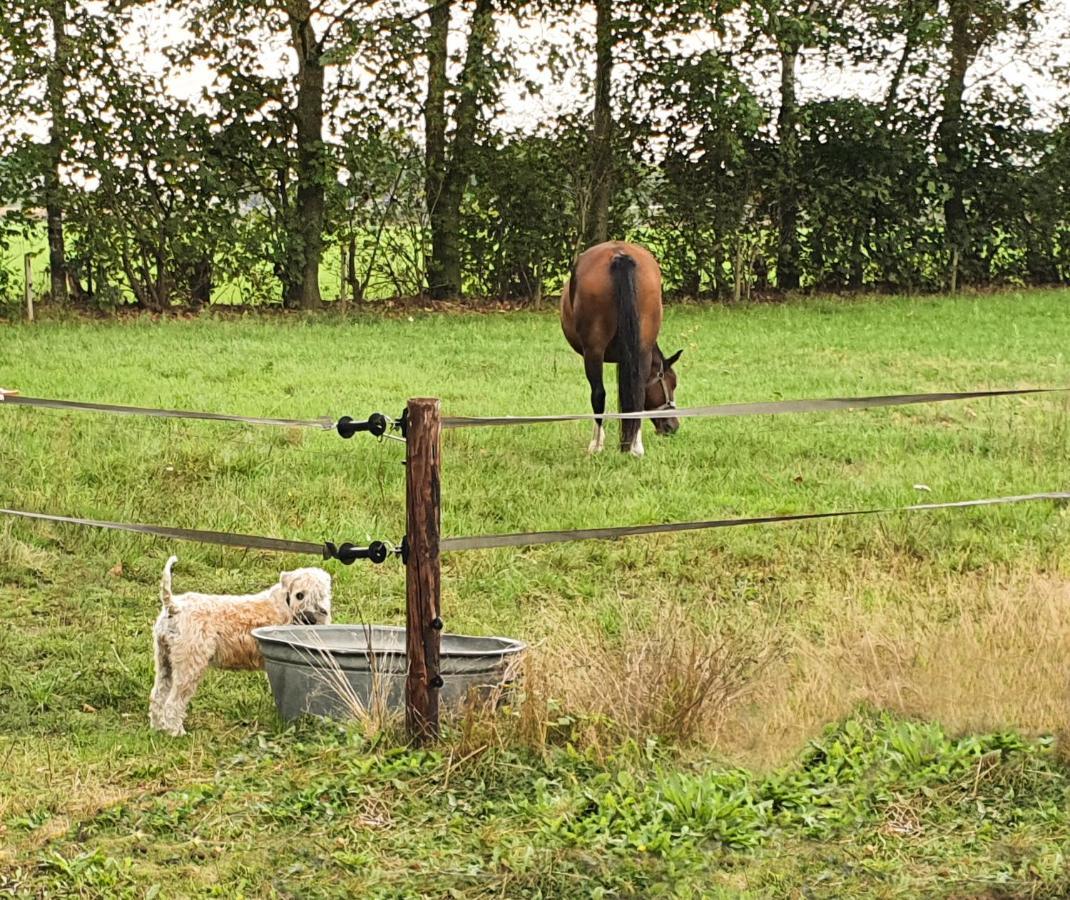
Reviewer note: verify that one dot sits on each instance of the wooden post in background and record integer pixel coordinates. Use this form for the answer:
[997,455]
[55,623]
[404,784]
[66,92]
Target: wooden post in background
[422,569]
[27,269]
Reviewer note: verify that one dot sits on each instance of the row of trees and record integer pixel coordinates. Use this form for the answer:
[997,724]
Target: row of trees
[369,145]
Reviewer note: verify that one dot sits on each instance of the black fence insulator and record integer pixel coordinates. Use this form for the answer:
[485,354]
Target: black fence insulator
[347,553]
[376,424]
[436,623]
[436,681]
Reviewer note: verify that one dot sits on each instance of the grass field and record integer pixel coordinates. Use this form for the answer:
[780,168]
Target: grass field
[866,707]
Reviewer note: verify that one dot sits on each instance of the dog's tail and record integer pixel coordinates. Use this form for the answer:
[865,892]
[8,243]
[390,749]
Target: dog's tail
[165,586]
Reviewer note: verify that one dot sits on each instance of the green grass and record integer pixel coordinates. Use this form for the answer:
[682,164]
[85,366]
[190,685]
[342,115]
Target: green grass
[890,805]
[962,617]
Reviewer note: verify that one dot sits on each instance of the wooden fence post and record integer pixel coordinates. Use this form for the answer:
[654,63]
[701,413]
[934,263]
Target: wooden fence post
[422,568]
[27,270]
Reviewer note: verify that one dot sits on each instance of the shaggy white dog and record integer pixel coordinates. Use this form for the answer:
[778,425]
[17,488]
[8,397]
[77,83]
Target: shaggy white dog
[195,631]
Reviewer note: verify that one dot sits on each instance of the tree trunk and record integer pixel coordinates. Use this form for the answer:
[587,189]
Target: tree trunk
[787,260]
[439,281]
[161,289]
[857,274]
[445,193]
[342,270]
[691,282]
[914,15]
[602,131]
[737,271]
[356,287]
[305,238]
[891,97]
[915,12]
[57,257]
[135,282]
[200,286]
[81,294]
[952,158]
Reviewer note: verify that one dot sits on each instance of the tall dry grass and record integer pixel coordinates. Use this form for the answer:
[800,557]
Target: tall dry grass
[981,653]
[372,712]
[666,676]
[975,652]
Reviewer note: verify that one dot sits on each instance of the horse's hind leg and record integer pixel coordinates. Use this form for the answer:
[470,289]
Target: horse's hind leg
[592,365]
[636,448]
[631,430]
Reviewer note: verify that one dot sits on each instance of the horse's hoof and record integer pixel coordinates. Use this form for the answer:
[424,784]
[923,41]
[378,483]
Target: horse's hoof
[594,447]
[637,452]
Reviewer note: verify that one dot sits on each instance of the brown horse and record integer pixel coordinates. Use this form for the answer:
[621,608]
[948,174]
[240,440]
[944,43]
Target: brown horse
[611,312]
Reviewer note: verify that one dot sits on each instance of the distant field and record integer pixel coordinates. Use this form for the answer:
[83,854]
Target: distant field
[232,292]
[13,261]
[619,772]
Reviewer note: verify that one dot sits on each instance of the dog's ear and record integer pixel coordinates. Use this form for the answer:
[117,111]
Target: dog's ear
[286,579]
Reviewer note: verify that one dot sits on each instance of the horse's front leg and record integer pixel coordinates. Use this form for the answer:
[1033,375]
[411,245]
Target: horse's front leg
[592,365]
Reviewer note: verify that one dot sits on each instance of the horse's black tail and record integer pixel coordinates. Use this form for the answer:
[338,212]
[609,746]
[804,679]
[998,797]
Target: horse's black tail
[630,387]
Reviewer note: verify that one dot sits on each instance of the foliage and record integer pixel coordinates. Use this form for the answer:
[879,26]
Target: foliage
[376,213]
[710,166]
[864,183]
[306,146]
[517,225]
[16,172]
[162,212]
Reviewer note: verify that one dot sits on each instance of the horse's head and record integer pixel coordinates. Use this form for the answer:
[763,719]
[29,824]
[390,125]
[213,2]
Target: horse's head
[661,390]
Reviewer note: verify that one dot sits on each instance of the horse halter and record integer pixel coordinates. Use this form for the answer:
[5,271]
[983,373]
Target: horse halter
[670,400]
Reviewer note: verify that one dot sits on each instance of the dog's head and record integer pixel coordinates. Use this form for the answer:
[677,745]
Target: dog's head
[308,595]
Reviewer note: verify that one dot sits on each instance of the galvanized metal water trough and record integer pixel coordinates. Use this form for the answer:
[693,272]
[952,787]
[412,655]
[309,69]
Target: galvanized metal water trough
[340,670]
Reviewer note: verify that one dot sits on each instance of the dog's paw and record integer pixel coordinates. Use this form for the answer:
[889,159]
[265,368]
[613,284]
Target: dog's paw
[159,724]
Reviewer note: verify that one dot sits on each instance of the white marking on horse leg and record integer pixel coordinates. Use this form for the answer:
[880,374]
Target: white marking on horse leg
[598,440]
[637,444]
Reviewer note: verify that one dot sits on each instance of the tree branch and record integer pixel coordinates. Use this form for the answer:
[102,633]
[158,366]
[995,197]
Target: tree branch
[390,22]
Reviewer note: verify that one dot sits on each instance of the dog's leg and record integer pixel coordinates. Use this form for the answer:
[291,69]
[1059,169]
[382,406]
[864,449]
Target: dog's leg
[191,654]
[162,687]
[183,687]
